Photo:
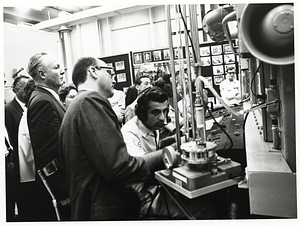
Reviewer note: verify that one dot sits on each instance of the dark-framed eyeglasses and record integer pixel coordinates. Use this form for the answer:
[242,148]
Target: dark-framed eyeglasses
[108,69]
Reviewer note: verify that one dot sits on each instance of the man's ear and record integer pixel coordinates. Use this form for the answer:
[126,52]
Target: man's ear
[15,89]
[137,87]
[42,74]
[92,71]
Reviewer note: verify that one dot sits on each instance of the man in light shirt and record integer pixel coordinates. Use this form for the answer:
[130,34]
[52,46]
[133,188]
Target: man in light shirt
[117,101]
[141,135]
[230,87]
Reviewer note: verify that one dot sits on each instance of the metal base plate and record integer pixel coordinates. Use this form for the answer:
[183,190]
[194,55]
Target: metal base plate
[193,183]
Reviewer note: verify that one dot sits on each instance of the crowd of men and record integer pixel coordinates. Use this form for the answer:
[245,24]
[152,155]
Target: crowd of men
[95,157]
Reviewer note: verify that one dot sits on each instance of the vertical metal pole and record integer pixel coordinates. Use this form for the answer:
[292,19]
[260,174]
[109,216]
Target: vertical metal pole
[172,70]
[195,38]
[181,72]
[188,62]
[274,113]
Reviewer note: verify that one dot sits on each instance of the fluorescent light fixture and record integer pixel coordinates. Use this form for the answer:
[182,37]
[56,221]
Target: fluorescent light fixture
[24,24]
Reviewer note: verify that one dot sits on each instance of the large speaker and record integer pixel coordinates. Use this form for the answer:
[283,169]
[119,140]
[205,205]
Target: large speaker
[267,31]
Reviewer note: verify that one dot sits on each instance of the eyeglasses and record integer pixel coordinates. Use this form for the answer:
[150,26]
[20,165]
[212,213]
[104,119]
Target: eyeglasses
[109,69]
[231,72]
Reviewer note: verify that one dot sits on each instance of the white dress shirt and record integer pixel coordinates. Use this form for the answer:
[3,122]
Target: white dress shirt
[26,158]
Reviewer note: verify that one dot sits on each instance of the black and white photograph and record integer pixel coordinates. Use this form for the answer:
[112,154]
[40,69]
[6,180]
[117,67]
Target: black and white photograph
[204,51]
[205,61]
[157,55]
[216,60]
[216,49]
[147,57]
[137,58]
[121,77]
[120,65]
[177,53]
[227,48]
[229,58]
[166,54]
[101,126]
[218,69]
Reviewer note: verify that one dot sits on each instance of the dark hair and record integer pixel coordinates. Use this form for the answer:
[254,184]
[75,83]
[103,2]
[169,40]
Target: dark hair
[17,80]
[64,91]
[159,82]
[165,84]
[150,94]
[28,89]
[229,68]
[79,74]
[138,81]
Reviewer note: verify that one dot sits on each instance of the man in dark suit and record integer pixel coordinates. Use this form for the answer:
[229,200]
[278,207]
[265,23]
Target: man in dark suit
[93,153]
[146,69]
[13,113]
[45,114]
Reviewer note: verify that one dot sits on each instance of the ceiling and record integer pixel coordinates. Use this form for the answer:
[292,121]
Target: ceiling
[51,18]
[33,16]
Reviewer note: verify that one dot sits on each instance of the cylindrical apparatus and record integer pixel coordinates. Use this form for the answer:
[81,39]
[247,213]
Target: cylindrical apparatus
[199,156]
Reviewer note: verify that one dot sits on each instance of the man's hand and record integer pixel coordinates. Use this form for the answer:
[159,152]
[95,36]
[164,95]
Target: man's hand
[120,112]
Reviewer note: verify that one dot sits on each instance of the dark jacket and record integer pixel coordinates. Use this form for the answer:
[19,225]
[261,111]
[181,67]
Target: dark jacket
[44,117]
[131,95]
[13,114]
[96,163]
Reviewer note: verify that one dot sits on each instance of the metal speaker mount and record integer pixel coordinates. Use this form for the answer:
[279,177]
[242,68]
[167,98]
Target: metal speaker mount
[212,23]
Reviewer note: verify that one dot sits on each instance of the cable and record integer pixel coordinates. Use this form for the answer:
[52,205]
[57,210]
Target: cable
[252,81]
[190,38]
[230,139]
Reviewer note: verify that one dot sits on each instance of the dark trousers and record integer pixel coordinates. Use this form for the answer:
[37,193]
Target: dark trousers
[28,208]
[11,186]
[46,208]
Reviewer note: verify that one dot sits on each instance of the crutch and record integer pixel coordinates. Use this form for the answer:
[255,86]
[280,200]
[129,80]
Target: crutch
[50,192]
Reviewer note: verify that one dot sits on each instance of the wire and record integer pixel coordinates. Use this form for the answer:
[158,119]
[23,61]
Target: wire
[190,38]
[230,139]
[252,81]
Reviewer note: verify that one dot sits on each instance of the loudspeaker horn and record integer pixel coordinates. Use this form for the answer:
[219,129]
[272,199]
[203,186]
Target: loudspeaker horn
[268,32]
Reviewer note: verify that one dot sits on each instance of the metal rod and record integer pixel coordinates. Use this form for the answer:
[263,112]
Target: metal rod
[188,62]
[181,72]
[195,38]
[51,194]
[172,70]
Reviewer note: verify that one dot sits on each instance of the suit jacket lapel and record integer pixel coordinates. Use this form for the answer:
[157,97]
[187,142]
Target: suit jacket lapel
[18,106]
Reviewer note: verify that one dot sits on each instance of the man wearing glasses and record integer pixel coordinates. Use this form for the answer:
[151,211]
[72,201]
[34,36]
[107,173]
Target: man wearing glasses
[93,153]
[230,87]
